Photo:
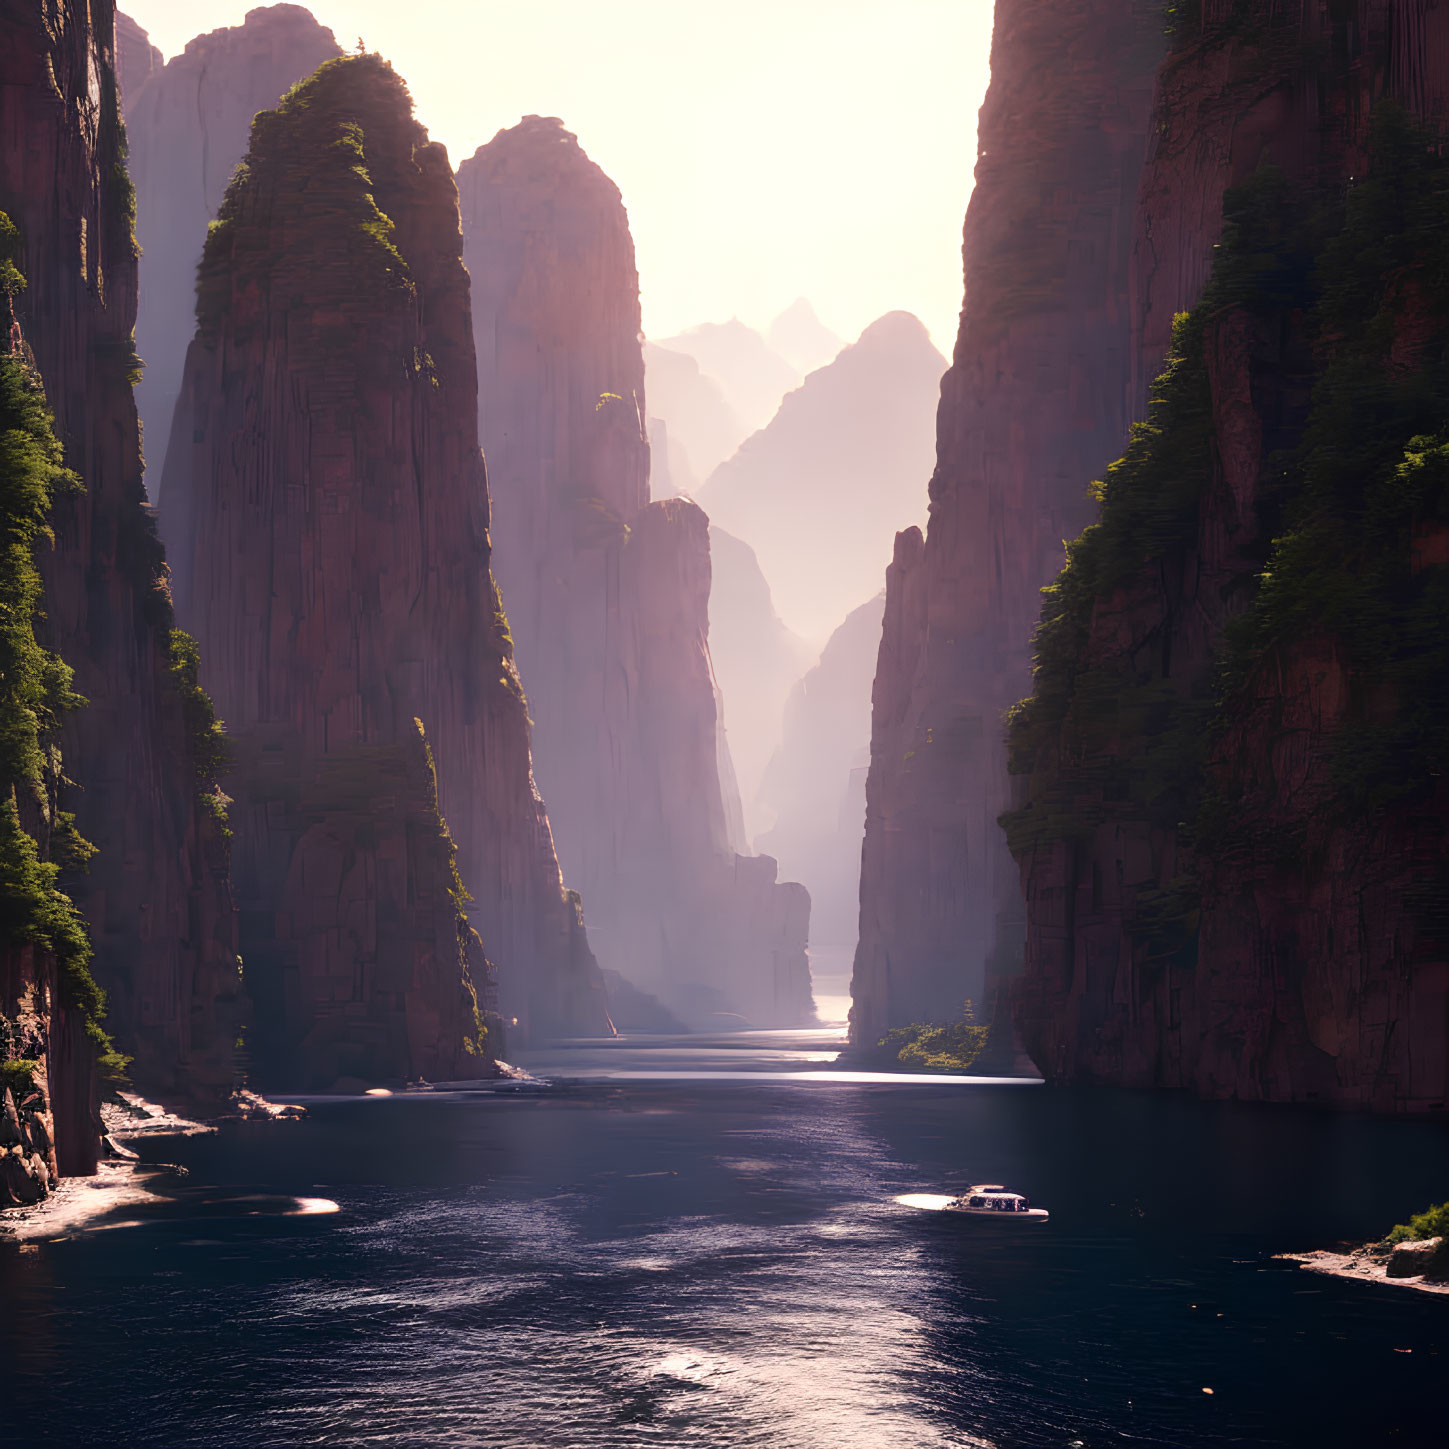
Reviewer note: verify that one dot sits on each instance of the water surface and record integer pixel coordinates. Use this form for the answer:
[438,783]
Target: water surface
[694,1244]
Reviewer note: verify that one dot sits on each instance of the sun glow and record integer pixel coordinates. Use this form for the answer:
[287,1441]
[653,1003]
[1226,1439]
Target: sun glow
[819,148]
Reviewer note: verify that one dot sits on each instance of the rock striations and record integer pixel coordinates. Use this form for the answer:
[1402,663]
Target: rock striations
[155,897]
[608,595]
[330,507]
[188,123]
[1035,403]
[1232,836]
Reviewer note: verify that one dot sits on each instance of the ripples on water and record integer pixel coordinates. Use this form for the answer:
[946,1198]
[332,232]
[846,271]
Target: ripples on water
[686,1249]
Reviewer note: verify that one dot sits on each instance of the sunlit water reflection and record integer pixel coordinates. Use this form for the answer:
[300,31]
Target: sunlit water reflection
[690,1244]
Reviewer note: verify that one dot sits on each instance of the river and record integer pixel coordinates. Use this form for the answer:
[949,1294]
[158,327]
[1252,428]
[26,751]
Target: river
[699,1243]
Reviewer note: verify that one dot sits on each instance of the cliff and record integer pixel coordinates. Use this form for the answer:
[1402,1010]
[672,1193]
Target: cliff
[1035,403]
[155,896]
[330,507]
[1232,827]
[608,595]
[47,995]
[841,463]
[188,123]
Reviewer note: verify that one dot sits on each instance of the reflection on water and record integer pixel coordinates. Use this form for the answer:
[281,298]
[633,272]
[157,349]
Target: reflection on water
[726,1259]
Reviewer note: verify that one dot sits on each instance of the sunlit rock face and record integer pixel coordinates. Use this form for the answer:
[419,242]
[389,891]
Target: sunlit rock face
[1232,834]
[1034,406]
[187,124]
[156,896]
[815,785]
[840,463]
[608,595]
[330,504]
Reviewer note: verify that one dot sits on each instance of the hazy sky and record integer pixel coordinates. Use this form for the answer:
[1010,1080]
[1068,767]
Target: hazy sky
[766,149]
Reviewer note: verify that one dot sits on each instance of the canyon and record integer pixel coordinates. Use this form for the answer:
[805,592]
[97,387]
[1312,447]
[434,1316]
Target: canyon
[608,597]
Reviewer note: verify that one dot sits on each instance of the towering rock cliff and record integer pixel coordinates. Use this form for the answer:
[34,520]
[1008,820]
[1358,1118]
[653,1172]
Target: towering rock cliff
[840,464]
[155,896]
[608,595]
[188,123]
[1036,402]
[1232,836]
[330,504]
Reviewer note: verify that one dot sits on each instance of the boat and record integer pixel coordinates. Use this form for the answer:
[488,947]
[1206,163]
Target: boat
[991,1200]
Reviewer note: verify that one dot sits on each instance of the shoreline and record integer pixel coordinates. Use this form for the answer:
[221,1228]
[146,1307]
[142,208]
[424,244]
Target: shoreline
[1359,1267]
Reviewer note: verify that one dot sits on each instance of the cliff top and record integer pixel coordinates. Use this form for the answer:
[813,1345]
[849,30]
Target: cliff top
[308,182]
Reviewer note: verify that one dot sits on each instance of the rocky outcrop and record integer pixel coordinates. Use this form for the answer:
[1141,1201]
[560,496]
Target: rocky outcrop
[155,896]
[1232,827]
[757,662]
[840,463]
[815,784]
[187,124]
[1036,403]
[330,507]
[608,595]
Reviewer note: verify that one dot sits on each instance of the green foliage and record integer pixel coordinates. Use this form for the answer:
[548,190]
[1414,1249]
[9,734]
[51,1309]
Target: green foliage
[932,1047]
[1431,1223]
[1126,733]
[18,1077]
[1110,733]
[11,281]
[210,752]
[308,164]
[35,692]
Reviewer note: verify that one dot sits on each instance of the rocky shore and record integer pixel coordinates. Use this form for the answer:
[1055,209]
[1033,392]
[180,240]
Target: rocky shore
[1406,1265]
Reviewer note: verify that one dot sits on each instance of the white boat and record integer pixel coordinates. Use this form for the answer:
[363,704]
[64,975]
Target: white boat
[991,1200]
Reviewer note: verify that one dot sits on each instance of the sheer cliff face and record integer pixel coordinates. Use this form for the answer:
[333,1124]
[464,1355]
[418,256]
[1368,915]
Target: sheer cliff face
[608,594]
[330,505]
[187,124]
[1231,833]
[156,896]
[1034,405]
